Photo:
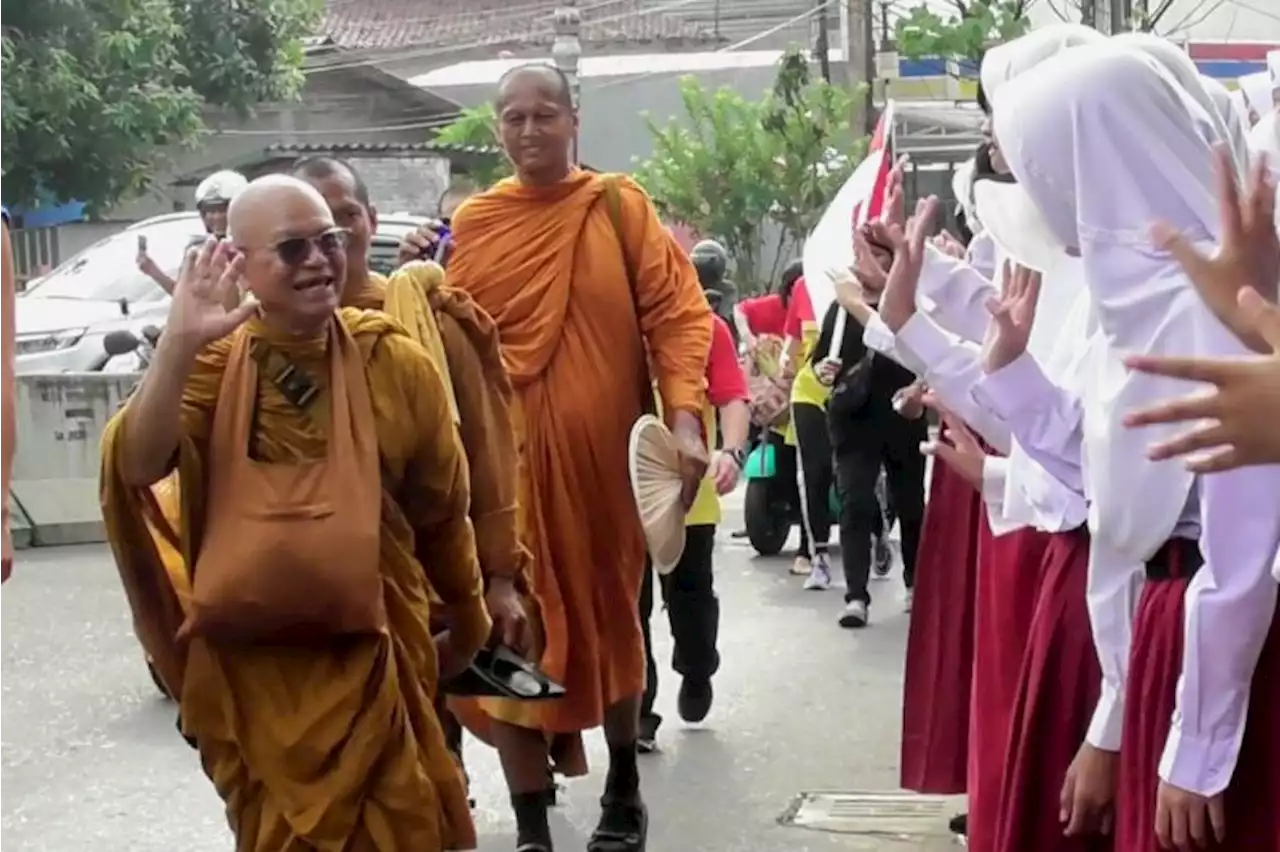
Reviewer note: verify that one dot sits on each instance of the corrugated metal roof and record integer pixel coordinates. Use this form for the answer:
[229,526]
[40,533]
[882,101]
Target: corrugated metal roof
[305,149]
[390,24]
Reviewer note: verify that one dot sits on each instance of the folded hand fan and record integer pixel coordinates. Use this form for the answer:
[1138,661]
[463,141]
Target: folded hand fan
[654,462]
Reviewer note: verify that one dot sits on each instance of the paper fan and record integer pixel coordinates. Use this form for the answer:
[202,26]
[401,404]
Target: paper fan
[654,464]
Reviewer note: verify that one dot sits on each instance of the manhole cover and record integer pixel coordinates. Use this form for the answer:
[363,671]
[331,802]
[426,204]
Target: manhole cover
[897,813]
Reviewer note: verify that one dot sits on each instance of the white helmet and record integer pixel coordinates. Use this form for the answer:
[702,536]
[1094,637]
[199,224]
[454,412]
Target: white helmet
[220,188]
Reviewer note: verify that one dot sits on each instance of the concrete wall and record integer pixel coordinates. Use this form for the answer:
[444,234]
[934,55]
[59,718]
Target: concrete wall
[336,107]
[55,473]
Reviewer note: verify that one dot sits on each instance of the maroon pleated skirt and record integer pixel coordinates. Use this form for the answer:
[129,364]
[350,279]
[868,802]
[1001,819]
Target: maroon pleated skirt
[1252,800]
[939,664]
[1009,575]
[1056,695]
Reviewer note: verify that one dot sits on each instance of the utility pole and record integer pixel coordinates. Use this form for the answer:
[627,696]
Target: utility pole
[824,40]
[566,52]
[857,35]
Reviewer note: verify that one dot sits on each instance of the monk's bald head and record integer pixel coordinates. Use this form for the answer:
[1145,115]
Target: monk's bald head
[547,78]
[273,207]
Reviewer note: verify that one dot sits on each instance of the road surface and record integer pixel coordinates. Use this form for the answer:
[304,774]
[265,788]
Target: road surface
[91,759]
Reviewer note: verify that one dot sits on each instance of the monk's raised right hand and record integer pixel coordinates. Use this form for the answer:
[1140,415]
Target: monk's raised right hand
[199,314]
[420,243]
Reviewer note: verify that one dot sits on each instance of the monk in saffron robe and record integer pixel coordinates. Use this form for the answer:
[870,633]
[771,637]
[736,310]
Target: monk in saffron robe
[580,277]
[464,342]
[332,744]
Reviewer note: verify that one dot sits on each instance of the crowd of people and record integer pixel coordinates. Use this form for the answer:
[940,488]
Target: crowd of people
[333,490]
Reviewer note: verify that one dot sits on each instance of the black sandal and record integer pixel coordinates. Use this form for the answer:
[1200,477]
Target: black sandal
[623,827]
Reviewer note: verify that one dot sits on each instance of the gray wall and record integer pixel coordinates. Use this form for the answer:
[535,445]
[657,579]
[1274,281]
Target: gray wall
[613,127]
[334,108]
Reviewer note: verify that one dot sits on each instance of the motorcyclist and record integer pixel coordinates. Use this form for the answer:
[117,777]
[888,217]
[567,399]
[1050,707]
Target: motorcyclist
[213,198]
[711,262]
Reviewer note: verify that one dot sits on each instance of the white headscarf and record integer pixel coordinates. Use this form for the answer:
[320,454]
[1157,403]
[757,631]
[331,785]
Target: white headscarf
[1004,62]
[1235,121]
[1014,229]
[1105,142]
[1257,91]
[1184,72]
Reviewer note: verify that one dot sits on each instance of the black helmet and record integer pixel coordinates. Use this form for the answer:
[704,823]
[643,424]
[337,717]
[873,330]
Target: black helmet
[711,261]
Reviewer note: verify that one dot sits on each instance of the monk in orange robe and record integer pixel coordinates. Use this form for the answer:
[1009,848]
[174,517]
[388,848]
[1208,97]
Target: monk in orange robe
[580,277]
[446,322]
[332,743]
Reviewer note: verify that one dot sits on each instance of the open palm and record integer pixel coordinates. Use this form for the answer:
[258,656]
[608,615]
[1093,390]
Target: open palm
[1012,315]
[209,276]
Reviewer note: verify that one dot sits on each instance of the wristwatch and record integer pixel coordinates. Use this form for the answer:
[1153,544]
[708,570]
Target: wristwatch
[738,454]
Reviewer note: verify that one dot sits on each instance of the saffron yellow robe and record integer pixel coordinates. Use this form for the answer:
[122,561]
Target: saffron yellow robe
[549,266]
[339,749]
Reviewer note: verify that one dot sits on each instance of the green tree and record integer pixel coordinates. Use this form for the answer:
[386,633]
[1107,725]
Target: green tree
[476,127]
[93,90]
[732,166]
[963,33]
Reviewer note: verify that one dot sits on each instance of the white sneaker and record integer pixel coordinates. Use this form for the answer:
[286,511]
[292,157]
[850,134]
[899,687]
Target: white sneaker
[802,566]
[855,614]
[819,579]
[907,600]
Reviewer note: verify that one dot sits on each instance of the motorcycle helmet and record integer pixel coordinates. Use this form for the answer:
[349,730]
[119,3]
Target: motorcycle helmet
[219,188]
[711,262]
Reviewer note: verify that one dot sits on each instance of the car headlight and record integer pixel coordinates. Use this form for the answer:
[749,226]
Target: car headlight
[37,343]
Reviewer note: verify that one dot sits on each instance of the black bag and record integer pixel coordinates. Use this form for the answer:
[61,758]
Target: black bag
[852,387]
[500,672]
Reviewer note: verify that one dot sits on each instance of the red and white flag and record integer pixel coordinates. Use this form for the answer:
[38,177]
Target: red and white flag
[860,200]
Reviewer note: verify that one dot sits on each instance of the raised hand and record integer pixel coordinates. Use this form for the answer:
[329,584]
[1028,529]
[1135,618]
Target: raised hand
[895,212]
[949,245]
[956,446]
[1250,252]
[199,313]
[898,302]
[420,243]
[870,273]
[1242,410]
[1012,315]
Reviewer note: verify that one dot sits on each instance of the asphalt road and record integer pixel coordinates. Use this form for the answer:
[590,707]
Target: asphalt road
[91,760]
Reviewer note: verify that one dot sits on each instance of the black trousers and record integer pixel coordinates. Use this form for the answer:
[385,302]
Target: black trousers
[817,472]
[689,595]
[896,447]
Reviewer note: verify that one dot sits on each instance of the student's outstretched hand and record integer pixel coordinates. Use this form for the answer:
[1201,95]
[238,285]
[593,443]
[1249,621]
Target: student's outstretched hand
[1012,315]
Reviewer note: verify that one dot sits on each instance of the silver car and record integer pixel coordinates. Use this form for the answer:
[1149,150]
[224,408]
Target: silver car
[62,318]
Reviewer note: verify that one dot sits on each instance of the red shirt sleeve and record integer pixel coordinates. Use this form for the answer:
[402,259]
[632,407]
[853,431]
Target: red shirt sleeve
[726,382]
[751,310]
[799,311]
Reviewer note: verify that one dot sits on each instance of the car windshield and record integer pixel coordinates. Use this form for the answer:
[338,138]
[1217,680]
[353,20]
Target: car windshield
[108,270]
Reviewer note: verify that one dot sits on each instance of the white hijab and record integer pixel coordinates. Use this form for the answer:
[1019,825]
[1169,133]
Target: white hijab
[1235,119]
[1104,142]
[1000,208]
[1257,91]
[1178,64]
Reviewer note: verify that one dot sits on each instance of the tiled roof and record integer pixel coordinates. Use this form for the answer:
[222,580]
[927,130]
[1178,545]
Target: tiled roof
[460,24]
[349,148]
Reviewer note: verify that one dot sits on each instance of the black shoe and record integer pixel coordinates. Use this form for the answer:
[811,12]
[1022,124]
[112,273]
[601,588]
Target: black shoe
[623,827]
[647,742]
[959,825]
[738,534]
[694,701]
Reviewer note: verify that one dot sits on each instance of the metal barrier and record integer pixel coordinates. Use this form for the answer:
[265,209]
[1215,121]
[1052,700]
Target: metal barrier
[54,493]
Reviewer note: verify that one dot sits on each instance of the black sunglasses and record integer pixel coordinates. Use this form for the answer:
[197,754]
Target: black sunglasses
[295,250]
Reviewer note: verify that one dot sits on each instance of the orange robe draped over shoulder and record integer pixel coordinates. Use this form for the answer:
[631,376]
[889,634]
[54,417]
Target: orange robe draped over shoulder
[322,749]
[547,264]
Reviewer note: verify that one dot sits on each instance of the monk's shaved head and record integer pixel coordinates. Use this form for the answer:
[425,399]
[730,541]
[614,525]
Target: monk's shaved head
[550,77]
[272,205]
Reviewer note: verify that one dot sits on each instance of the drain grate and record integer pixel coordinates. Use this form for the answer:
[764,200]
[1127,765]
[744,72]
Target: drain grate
[896,813]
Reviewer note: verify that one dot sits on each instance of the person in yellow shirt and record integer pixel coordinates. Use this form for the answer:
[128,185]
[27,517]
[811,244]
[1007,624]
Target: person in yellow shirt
[689,590]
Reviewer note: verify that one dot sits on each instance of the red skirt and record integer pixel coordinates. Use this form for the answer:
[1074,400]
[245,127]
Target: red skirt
[939,664]
[1056,695]
[1009,572]
[1155,662]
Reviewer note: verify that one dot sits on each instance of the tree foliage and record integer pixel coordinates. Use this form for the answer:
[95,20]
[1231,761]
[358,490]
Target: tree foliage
[734,166]
[963,33]
[476,127]
[94,89]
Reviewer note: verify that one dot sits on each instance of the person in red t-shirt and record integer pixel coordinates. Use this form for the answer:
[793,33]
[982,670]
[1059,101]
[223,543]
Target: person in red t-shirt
[769,314]
[689,590]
